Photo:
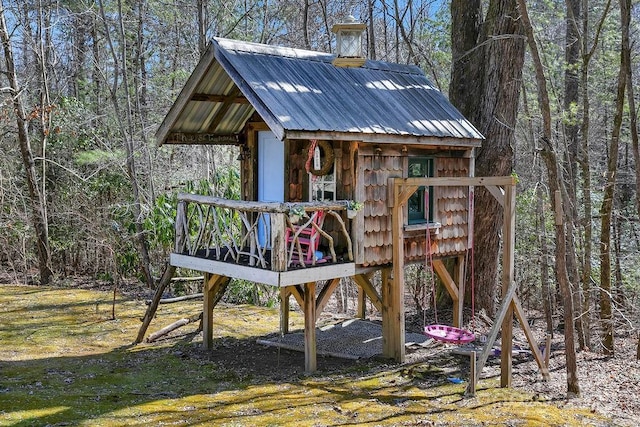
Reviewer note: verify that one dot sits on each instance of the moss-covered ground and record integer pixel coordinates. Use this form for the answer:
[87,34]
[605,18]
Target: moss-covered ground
[64,361]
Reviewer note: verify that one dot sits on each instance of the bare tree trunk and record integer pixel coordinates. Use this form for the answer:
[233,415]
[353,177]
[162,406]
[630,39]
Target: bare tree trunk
[585,166]
[571,97]
[305,24]
[557,195]
[127,133]
[633,118]
[606,209]
[486,78]
[547,295]
[371,30]
[38,202]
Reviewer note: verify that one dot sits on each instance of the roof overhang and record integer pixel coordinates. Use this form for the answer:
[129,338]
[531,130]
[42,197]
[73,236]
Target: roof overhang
[301,95]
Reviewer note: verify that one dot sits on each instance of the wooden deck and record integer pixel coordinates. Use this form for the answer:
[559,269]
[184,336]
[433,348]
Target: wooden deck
[295,275]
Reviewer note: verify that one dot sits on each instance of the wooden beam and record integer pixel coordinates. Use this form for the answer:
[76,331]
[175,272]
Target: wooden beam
[508,277]
[213,289]
[325,294]
[285,306]
[207,97]
[505,181]
[493,333]
[206,138]
[446,278]
[227,103]
[533,344]
[298,293]
[445,143]
[369,290]
[497,193]
[309,308]
[394,302]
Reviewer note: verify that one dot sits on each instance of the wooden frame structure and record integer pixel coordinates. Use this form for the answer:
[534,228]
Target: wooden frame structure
[233,95]
[503,189]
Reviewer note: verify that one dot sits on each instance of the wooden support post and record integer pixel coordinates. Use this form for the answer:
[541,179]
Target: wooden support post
[207,311]
[393,328]
[473,382]
[547,350]
[508,277]
[324,295]
[533,344]
[369,290]
[213,290]
[310,327]
[285,295]
[361,311]
[278,242]
[493,333]
[151,310]
[395,301]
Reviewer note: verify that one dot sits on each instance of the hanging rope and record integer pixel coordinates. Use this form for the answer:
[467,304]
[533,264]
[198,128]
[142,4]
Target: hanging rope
[473,261]
[429,259]
[447,334]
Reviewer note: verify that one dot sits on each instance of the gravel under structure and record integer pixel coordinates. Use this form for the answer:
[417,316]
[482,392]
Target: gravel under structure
[351,339]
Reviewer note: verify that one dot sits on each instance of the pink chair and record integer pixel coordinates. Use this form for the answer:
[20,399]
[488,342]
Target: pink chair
[309,238]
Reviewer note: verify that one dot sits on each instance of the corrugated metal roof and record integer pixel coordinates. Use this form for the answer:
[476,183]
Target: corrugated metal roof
[298,91]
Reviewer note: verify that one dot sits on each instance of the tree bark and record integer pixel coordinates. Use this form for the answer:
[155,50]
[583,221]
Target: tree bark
[38,202]
[488,57]
[557,195]
[126,128]
[585,167]
[571,98]
[606,209]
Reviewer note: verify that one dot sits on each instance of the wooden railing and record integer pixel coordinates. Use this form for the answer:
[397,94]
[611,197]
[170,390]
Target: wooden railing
[254,233]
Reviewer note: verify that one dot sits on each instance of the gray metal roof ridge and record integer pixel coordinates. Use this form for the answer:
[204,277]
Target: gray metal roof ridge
[311,55]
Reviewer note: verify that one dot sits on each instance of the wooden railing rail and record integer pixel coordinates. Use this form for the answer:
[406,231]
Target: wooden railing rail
[246,232]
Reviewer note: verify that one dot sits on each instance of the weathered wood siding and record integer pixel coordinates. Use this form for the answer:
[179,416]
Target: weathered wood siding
[373,233]
[452,209]
[362,173]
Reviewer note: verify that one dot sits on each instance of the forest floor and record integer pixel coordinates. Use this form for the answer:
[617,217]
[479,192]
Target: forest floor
[64,360]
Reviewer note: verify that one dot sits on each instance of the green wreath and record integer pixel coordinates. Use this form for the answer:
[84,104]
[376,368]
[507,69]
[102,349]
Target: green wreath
[327,162]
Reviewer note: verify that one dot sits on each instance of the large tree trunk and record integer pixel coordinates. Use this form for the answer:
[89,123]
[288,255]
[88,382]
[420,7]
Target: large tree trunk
[488,56]
[38,202]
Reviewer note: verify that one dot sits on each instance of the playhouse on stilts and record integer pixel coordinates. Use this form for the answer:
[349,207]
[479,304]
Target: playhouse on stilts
[348,167]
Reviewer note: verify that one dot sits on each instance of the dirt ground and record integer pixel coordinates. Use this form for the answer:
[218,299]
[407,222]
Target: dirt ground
[609,385]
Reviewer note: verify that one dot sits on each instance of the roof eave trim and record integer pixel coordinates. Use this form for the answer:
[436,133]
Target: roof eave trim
[260,107]
[185,95]
[385,138]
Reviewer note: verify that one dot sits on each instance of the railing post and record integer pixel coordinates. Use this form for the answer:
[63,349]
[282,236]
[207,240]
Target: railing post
[278,242]
[180,226]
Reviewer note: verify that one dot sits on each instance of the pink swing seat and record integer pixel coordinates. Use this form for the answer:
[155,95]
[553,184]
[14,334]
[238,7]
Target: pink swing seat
[449,334]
